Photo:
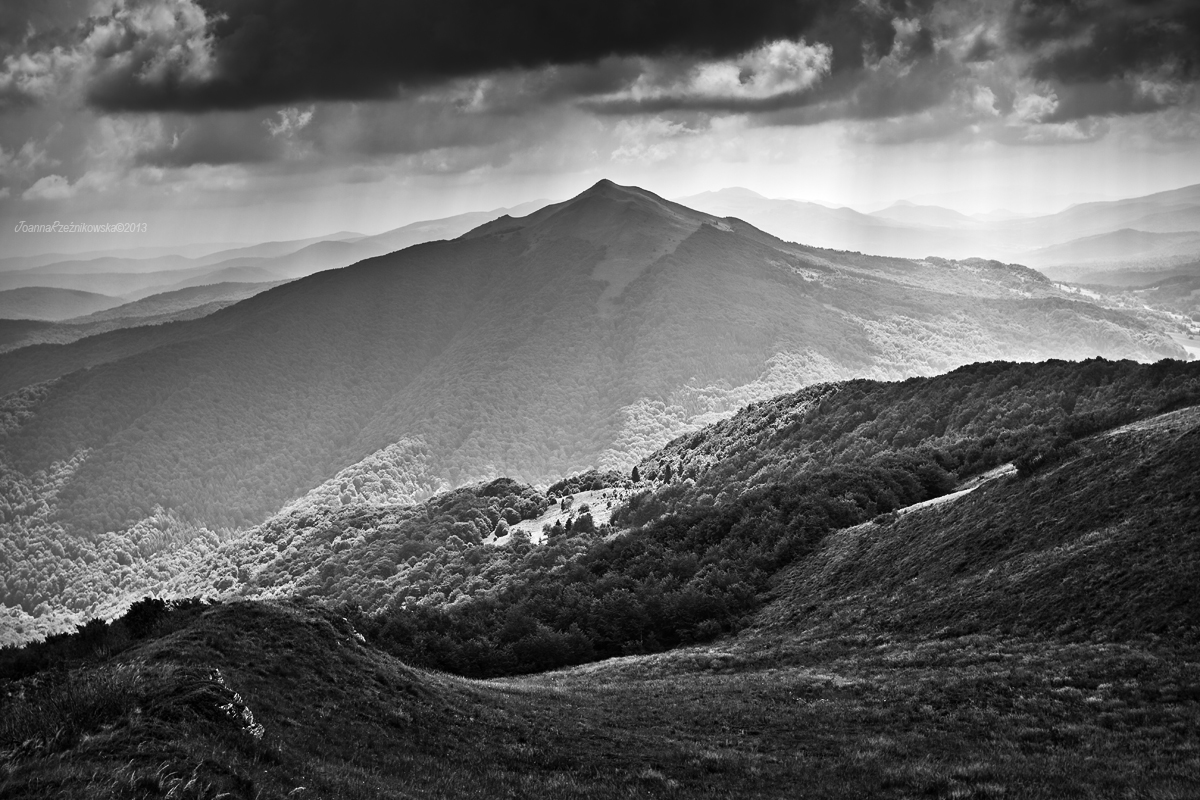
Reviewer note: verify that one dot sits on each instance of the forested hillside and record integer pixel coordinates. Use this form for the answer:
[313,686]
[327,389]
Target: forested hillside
[585,335]
[980,416]
[711,520]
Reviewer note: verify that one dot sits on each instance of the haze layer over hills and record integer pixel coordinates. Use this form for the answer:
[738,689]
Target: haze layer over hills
[136,274]
[157,309]
[1144,238]
[585,334]
[51,304]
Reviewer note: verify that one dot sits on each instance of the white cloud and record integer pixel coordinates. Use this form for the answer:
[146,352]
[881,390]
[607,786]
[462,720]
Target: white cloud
[1163,92]
[50,187]
[290,120]
[983,100]
[907,31]
[41,75]
[1035,107]
[774,70]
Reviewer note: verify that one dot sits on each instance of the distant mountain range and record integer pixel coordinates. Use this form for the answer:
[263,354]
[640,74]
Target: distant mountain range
[1106,242]
[133,276]
[585,334]
[1144,234]
[929,216]
[157,309]
[41,303]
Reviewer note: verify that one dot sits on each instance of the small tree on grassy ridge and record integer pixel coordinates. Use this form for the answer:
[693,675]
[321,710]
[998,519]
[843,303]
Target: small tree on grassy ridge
[143,616]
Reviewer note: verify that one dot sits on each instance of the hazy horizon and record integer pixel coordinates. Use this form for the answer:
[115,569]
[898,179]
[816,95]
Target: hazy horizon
[33,245]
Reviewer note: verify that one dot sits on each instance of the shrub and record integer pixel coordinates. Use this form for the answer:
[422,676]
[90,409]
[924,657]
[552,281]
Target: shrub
[144,616]
[1044,455]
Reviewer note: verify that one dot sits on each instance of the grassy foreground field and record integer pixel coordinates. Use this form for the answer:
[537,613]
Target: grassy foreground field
[261,700]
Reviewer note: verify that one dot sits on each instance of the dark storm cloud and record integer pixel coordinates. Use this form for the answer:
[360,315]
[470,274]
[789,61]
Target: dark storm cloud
[1107,99]
[470,74]
[1082,41]
[877,95]
[902,72]
[281,51]
[1110,58]
[33,26]
[983,48]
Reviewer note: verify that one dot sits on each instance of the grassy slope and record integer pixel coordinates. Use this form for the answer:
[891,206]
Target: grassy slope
[1106,542]
[842,717]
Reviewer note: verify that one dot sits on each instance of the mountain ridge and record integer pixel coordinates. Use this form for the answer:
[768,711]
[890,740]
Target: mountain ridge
[50,304]
[918,231]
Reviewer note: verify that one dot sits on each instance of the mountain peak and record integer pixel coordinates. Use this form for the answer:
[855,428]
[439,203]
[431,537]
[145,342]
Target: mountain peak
[609,189]
[740,192]
[602,212]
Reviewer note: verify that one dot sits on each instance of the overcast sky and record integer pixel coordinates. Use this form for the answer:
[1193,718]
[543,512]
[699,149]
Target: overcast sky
[248,120]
